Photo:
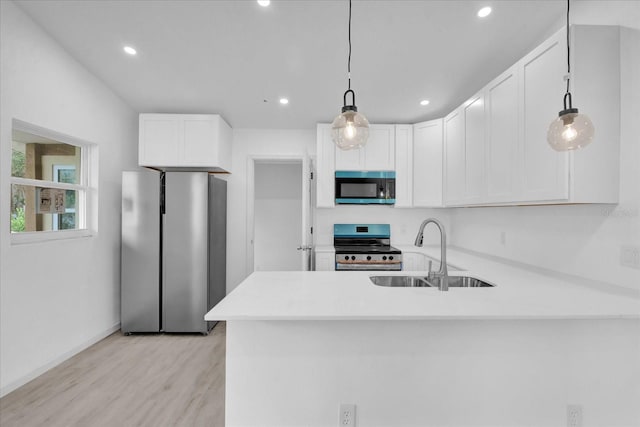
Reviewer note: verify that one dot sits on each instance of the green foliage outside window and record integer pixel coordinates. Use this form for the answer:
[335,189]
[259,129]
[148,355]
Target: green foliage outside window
[18,163]
[17,220]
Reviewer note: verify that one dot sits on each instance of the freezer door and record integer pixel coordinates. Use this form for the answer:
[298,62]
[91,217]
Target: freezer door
[185,252]
[217,241]
[140,251]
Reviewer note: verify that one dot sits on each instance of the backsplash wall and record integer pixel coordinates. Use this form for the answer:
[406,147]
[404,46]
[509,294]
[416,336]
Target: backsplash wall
[404,222]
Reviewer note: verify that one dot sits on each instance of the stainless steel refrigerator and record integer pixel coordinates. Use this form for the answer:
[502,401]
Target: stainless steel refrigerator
[173,250]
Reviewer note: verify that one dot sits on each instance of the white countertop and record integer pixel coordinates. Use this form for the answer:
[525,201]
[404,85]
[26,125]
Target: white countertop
[520,293]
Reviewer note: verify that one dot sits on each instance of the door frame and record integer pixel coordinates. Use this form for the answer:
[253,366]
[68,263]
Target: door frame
[306,214]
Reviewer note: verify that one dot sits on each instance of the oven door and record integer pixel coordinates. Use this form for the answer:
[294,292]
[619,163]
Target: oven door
[354,187]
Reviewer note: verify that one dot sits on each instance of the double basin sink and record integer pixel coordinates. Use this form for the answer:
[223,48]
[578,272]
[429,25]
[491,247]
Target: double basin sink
[424,282]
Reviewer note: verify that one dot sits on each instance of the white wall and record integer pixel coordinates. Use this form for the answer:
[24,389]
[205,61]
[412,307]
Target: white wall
[249,144]
[278,216]
[57,297]
[581,240]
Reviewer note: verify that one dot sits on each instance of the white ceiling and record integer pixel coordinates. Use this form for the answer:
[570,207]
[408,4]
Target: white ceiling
[228,57]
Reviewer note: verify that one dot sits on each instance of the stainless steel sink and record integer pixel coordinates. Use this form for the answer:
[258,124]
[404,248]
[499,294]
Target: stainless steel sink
[422,282]
[400,281]
[461,282]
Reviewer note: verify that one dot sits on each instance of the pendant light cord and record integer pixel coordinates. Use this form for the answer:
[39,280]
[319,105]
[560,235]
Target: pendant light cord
[349,60]
[568,48]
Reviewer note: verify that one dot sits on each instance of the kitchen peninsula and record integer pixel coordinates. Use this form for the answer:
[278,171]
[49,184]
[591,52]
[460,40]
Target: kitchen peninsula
[299,344]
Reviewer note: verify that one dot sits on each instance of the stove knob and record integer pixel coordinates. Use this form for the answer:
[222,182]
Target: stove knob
[368,258]
[384,257]
[353,258]
[346,257]
[391,257]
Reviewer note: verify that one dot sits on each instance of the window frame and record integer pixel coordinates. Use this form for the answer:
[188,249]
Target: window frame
[86,189]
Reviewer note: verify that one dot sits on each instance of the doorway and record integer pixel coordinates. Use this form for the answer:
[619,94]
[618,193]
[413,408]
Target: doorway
[278,215]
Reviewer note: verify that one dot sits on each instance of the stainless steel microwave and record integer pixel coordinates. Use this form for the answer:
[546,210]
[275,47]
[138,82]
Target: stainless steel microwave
[365,187]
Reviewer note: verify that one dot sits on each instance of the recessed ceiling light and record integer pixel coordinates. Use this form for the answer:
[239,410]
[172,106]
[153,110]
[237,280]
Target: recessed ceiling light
[264,3]
[130,50]
[424,102]
[484,12]
[284,101]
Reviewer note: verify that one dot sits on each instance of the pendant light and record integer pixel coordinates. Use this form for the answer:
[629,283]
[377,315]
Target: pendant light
[350,130]
[571,130]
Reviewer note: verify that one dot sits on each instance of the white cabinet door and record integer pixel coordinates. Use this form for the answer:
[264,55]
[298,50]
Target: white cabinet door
[379,153]
[474,146]
[348,160]
[198,141]
[404,166]
[158,139]
[325,261]
[325,172]
[502,145]
[545,171]
[455,175]
[427,163]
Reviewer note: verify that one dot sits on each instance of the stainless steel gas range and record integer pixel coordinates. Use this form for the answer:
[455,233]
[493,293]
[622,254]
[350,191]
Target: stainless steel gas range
[365,247]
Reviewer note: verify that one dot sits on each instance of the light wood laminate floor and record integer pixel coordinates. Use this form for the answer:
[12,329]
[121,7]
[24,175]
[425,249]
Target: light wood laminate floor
[137,380]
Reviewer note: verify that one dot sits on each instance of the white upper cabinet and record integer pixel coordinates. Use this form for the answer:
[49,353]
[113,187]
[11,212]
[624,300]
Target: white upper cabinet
[454,158]
[474,150]
[496,149]
[348,160]
[426,164]
[464,133]
[377,155]
[502,147]
[404,166]
[158,140]
[591,174]
[194,141]
[545,171]
[595,169]
[326,167]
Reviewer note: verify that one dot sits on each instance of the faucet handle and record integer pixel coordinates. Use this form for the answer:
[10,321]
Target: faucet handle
[429,268]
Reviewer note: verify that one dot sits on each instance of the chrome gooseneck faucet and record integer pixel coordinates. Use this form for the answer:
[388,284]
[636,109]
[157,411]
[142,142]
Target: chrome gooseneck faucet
[442,273]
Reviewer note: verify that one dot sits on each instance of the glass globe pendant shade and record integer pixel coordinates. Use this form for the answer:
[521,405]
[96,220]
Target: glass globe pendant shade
[350,130]
[570,131]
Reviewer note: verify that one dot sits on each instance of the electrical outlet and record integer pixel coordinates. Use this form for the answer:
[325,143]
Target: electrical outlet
[630,256]
[574,416]
[347,415]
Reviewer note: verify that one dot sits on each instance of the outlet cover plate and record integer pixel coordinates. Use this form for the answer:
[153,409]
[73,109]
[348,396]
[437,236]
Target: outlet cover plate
[347,415]
[630,256]
[574,415]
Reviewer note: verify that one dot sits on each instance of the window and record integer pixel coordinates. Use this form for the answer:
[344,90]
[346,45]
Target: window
[51,191]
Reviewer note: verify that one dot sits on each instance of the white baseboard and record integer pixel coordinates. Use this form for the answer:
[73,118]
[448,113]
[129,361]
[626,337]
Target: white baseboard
[58,360]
